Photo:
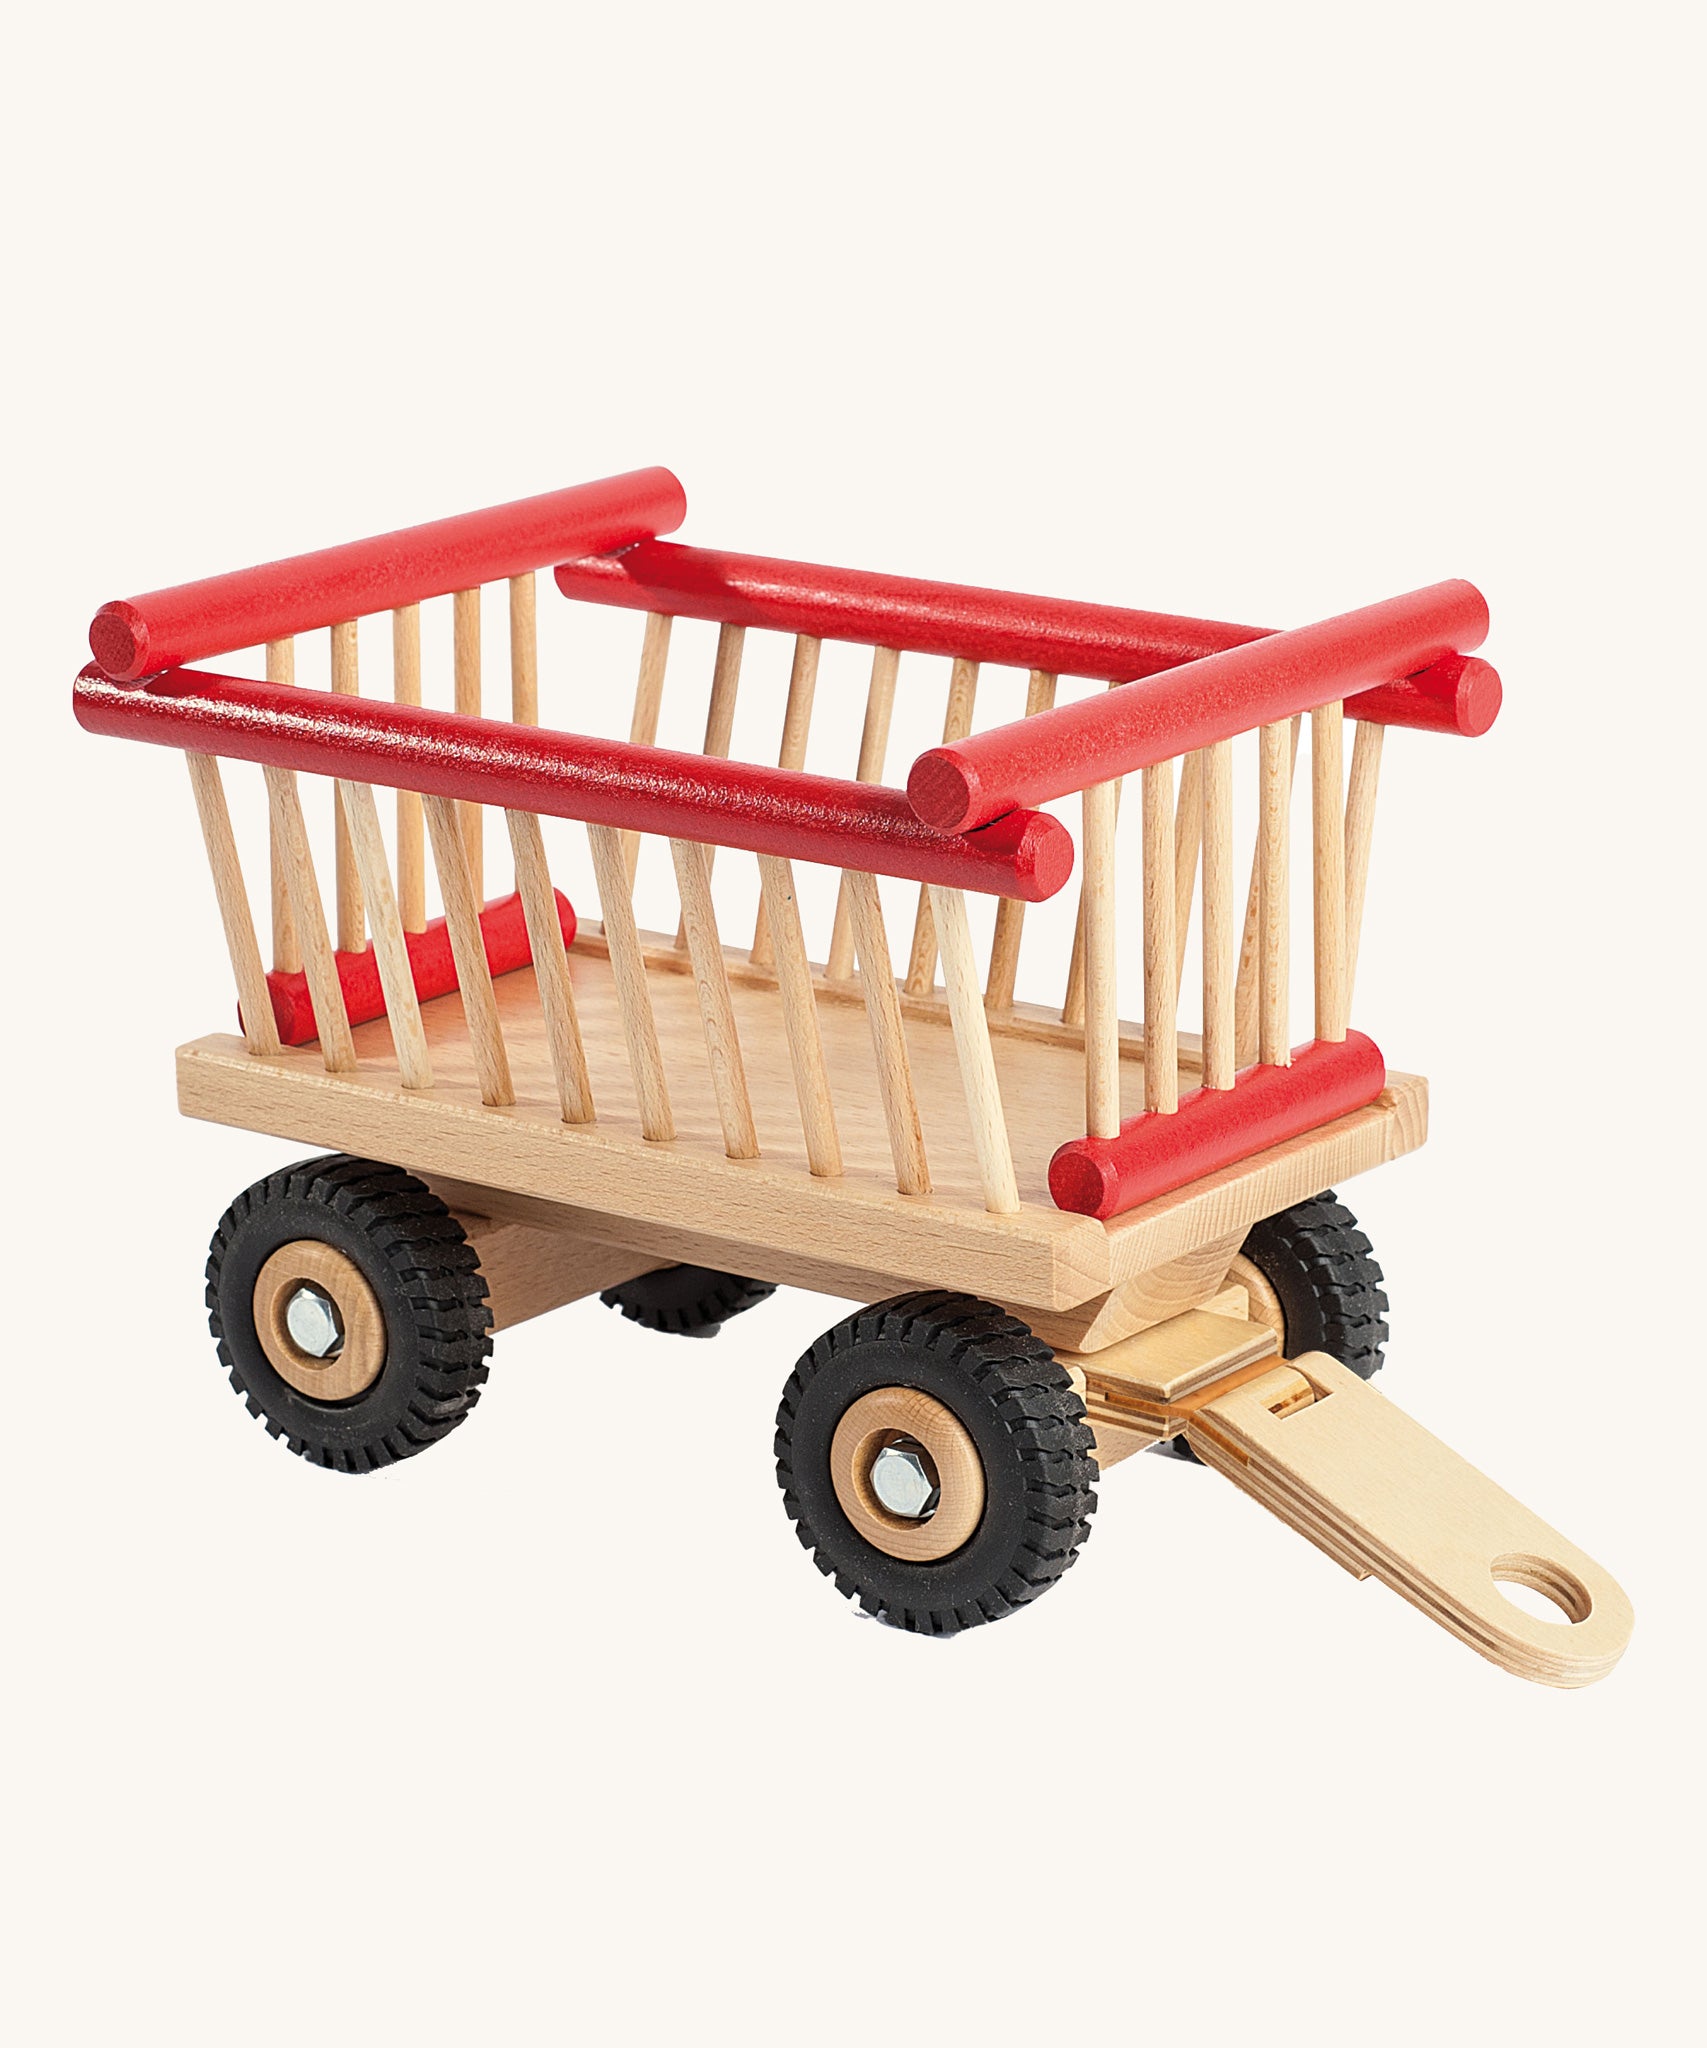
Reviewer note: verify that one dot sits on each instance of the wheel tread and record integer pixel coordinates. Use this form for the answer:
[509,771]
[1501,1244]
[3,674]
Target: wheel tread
[1035,1400]
[436,1268]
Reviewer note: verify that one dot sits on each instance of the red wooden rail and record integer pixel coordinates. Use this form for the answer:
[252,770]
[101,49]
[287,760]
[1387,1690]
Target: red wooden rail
[432,967]
[1051,633]
[1057,634]
[138,636]
[1099,739]
[1027,855]
[1152,1154]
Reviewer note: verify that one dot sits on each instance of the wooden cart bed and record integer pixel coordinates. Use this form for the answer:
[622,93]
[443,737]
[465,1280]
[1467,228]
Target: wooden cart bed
[854,1235]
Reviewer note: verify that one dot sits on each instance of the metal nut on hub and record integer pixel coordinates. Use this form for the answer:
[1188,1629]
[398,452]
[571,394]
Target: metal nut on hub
[904,1480]
[312,1319]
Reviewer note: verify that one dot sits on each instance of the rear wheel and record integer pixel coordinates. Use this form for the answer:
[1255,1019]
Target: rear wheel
[349,1311]
[935,1460]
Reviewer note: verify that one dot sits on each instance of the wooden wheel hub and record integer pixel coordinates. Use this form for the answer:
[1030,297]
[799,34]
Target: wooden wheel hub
[358,1359]
[888,1416]
[1265,1305]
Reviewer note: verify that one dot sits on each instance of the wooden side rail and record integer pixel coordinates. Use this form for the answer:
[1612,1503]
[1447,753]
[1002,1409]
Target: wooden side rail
[798,994]
[138,636]
[920,617]
[1395,644]
[1059,636]
[1256,1090]
[566,775]
[453,761]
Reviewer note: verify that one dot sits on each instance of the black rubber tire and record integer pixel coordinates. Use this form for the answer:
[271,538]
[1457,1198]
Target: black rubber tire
[414,1255]
[686,1301]
[1021,1411]
[1331,1290]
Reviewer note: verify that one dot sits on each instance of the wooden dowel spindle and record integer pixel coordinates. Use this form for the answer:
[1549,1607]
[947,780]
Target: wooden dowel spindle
[648,702]
[1218,966]
[468,950]
[725,687]
[352,927]
[551,968]
[260,1032]
[1327,810]
[1188,839]
[1359,832]
[1161,980]
[972,1047]
[873,747]
[628,973]
[649,684]
[888,1034]
[1102,1007]
[465,615]
[720,720]
[391,953]
[411,845]
[1274,881]
[287,954]
[1247,989]
[956,724]
[796,724]
[524,651]
[325,991]
[716,1007]
[1010,913]
[800,1016]
[1073,996]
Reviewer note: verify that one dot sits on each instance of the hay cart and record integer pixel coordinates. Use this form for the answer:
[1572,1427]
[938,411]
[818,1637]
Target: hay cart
[1080,1238]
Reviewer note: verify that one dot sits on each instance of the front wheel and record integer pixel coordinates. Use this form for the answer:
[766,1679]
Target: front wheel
[349,1310]
[936,1461]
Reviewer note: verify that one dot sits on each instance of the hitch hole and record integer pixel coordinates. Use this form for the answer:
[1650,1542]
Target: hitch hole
[1542,1589]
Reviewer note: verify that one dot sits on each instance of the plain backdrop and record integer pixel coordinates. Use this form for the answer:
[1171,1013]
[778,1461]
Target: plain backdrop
[555,1735]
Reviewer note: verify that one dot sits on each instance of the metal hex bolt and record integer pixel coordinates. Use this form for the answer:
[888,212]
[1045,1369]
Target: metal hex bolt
[312,1320]
[904,1482]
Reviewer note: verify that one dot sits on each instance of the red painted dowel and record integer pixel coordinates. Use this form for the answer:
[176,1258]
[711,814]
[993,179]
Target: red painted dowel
[859,825]
[1056,635]
[1461,695]
[1216,1127]
[967,783]
[139,636]
[1052,633]
[502,928]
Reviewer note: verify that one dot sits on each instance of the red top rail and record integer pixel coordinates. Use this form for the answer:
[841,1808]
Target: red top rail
[1052,633]
[1028,854]
[968,782]
[137,636]
[1061,635]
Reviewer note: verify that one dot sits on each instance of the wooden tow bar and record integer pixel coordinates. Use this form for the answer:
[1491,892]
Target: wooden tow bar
[1382,1496]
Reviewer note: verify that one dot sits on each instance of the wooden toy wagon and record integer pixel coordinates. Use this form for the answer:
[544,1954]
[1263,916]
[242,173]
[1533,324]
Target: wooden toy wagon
[1079,1238]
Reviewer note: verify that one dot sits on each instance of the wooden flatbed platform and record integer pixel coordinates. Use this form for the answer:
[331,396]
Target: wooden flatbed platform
[770,1218]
